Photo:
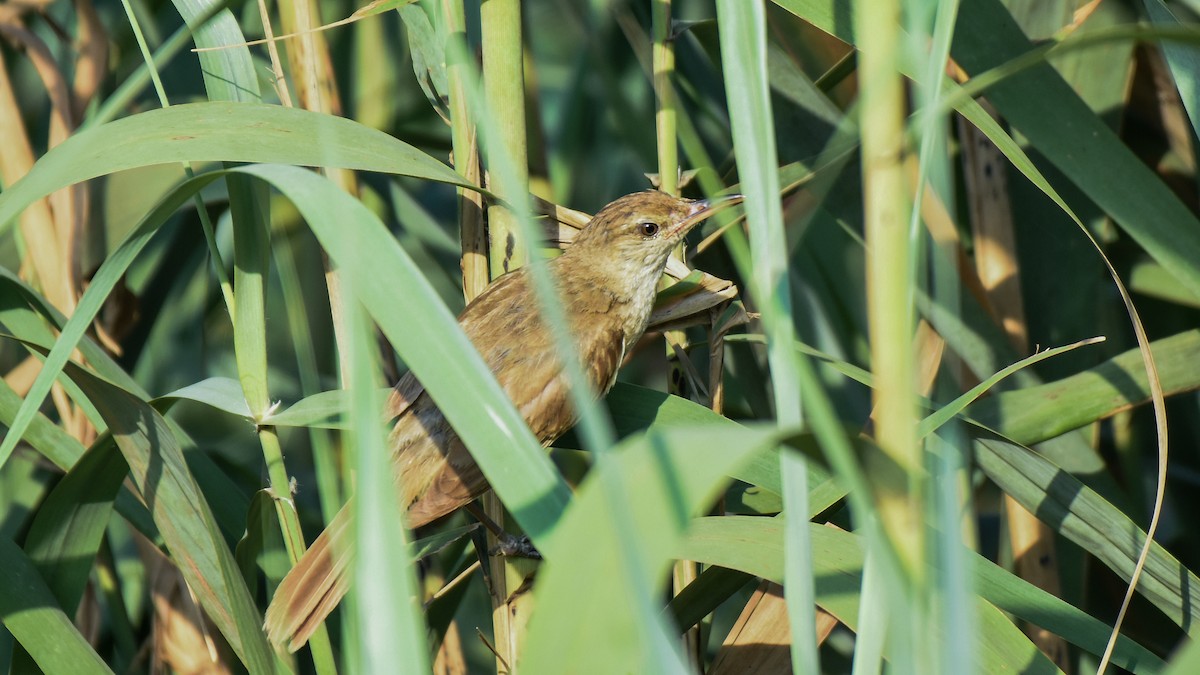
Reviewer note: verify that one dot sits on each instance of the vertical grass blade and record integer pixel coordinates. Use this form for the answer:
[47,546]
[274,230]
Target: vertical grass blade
[389,623]
[742,28]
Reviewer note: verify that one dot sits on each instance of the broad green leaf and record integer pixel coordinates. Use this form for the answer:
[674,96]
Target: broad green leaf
[181,511]
[753,545]
[222,393]
[436,349]
[31,613]
[66,532]
[666,477]
[1078,513]
[1033,414]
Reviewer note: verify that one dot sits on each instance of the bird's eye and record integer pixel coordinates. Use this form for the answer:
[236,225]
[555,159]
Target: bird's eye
[648,229]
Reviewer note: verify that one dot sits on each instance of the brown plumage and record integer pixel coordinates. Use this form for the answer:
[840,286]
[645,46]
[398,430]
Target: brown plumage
[606,281]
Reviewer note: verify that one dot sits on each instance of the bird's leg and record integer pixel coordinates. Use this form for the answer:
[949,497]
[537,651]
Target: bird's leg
[506,544]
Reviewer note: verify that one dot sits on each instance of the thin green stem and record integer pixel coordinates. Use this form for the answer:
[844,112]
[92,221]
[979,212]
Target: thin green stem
[328,485]
[205,222]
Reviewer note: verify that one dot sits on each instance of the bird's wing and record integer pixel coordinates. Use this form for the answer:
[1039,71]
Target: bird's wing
[403,396]
[513,341]
[546,404]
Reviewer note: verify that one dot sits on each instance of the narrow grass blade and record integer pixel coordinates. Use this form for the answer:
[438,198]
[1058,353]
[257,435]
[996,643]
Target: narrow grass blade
[199,132]
[389,623]
[1034,414]
[947,412]
[742,27]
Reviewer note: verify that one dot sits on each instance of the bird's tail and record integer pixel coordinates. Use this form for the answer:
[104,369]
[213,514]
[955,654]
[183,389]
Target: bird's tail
[430,485]
[313,587]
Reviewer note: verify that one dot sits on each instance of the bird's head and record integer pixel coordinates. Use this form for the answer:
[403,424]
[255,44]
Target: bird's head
[638,231]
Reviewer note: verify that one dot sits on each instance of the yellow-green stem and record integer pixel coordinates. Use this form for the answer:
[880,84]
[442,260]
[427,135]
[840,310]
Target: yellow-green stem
[663,64]
[504,93]
[466,159]
[899,492]
[504,89]
[206,225]
[663,57]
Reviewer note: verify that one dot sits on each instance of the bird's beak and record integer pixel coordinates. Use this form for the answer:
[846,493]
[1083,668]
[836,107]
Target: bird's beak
[702,209]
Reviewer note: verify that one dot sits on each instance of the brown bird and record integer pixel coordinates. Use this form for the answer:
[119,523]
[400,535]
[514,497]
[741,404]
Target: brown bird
[606,281]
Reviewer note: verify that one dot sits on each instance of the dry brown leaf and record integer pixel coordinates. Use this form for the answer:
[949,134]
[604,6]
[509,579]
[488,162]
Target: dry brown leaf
[760,640]
[185,641]
[450,659]
[46,252]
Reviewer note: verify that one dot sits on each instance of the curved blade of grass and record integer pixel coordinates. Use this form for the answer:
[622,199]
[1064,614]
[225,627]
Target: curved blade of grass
[31,613]
[89,305]
[1034,414]
[181,511]
[99,359]
[261,545]
[230,132]
[49,439]
[668,475]
[217,131]
[947,412]
[742,28]
[229,74]
[751,545]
